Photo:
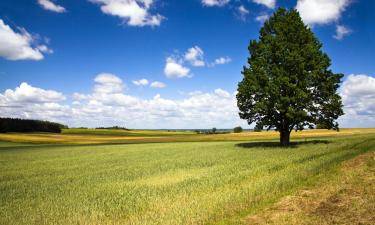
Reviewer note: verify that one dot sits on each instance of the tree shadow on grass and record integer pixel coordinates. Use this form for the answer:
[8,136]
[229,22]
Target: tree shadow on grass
[274,144]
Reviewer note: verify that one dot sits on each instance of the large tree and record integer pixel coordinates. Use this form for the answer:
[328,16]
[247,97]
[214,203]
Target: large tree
[288,84]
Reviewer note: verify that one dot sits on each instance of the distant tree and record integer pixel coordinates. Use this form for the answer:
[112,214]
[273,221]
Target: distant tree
[24,125]
[258,128]
[288,84]
[214,130]
[237,129]
[112,128]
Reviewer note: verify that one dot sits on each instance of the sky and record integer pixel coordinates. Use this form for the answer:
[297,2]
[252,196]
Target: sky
[163,63]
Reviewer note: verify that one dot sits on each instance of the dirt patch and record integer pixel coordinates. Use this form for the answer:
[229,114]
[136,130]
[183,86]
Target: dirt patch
[345,199]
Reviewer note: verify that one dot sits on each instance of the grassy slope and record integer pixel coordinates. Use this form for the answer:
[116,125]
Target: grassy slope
[87,136]
[347,197]
[166,183]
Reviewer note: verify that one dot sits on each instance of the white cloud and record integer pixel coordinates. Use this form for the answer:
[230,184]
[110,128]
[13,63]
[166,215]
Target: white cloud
[262,18]
[222,93]
[145,82]
[175,69]
[242,12]
[195,55]
[214,2]
[358,96]
[341,32]
[134,12]
[44,49]
[268,3]
[27,93]
[222,60]
[19,45]
[49,5]
[158,84]
[108,83]
[44,111]
[321,11]
[141,82]
[197,110]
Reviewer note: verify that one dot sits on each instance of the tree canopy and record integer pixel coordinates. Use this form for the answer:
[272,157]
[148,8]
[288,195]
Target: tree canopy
[23,125]
[237,129]
[288,83]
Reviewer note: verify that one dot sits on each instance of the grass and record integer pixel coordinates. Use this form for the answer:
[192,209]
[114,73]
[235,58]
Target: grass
[164,183]
[94,136]
[127,133]
[345,197]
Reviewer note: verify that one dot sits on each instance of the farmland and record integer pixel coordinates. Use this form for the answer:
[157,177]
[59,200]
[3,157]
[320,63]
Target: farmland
[179,178]
[103,136]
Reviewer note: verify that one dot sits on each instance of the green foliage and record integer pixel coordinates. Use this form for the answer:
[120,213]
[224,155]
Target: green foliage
[288,84]
[237,129]
[258,128]
[214,130]
[322,126]
[23,125]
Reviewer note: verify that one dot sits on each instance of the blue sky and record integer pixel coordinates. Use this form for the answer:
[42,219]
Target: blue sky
[81,61]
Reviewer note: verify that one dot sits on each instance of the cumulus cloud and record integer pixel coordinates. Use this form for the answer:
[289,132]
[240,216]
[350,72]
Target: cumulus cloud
[321,11]
[19,45]
[108,83]
[341,32]
[174,69]
[27,101]
[51,6]
[141,82]
[27,93]
[358,96]
[268,3]
[145,82]
[134,12]
[222,60]
[197,110]
[195,55]
[222,93]
[214,2]
[157,84]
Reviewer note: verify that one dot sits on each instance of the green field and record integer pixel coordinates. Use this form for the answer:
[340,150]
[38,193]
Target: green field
[102,136]
[199,182]
[127,133]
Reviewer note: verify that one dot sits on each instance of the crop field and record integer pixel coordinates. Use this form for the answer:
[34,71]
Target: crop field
[214,179]
[102,136]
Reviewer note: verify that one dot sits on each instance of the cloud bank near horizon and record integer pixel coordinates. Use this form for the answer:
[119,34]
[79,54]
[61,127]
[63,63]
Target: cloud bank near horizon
[109,104]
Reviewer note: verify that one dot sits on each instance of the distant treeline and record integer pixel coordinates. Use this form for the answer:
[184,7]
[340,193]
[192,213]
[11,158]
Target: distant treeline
[113,128]
[212,131]
[23,125]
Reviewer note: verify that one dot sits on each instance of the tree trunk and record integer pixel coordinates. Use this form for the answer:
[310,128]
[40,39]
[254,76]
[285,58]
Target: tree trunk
[285,137]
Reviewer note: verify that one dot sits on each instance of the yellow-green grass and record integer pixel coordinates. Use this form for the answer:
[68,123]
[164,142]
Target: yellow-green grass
[127,133]
[161,183]
[346,197]
[87,136]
